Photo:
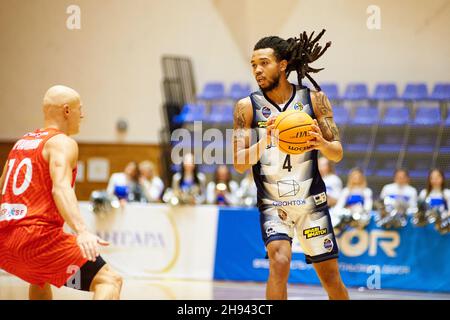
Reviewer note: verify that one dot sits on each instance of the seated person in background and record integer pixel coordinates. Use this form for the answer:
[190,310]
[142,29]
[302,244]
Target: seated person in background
[436,195]
[332,182]
[400,190]
[125,185]
[436,202]
[151,184]
[356,192]
[355,202]
[247,190]
[223,190]
[189,184]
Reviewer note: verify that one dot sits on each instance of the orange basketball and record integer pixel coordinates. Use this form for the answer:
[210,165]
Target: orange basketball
[293,131]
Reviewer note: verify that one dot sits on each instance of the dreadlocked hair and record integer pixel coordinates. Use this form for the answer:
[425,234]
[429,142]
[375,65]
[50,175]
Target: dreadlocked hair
[302,51]
[299,53]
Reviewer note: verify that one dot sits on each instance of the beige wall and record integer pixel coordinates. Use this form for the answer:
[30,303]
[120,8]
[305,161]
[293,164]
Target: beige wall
[114,60]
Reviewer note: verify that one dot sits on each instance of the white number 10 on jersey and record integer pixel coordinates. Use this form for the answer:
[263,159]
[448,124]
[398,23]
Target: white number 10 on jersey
[18,190]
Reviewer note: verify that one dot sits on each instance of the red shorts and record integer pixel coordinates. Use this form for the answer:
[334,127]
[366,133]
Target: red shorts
[40,254]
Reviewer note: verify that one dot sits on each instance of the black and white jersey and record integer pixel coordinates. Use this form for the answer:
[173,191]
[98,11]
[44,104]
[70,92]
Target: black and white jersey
[283,180]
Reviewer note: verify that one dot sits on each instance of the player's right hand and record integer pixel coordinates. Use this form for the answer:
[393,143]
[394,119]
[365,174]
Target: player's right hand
[90,245]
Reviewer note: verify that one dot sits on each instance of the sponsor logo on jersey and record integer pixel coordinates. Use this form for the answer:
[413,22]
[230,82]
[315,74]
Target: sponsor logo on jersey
[314,232]
[282,215]
[328,244]
[289,203]
[262,124]
[23,144]
[320,198]
[288,188]
[12,211]
[298,106]
[266,112]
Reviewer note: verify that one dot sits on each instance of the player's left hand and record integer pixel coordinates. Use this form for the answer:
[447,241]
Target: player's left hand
[319,142]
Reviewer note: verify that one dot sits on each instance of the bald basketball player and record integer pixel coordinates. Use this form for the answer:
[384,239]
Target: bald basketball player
[37,198]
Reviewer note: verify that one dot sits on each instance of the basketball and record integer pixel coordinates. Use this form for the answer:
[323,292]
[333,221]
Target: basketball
[293,131]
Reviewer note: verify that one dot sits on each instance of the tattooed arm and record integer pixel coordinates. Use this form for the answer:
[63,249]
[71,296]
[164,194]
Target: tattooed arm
[244,155]
[325,129]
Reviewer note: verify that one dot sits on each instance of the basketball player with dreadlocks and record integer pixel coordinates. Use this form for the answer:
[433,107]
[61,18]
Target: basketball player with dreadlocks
[304,208]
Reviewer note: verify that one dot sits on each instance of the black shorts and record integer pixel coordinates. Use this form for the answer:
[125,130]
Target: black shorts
[82,279]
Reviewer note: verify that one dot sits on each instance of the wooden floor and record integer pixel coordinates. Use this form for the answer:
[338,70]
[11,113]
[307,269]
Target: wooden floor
[12,288]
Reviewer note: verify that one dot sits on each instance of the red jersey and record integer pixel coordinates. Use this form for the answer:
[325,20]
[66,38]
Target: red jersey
[33,245]
[27,191]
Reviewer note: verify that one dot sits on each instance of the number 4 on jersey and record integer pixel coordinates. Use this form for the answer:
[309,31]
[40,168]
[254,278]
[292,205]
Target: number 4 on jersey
[287,163]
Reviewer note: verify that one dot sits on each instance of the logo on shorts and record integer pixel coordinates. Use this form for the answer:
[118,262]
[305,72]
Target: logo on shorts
[314,232]
[266,112]
[270,231]
[328,244]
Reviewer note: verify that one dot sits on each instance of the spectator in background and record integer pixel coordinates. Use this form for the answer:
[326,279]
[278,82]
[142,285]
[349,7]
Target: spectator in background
[436,195]
[125,185]
[332,182]
[247,191]
[400,190]
[223,190]
[356,192]
[151,184]
[189,185]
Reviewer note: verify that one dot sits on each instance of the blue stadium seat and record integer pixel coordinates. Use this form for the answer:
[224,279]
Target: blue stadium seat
[195,112]
[341,115]
[415,91]
[441,91]
[427,116]
[389,143]
[213,91]
[221,113]
[356,91]
[385,91]
[423,143]
[446,168]
[418,168]
[239,91]
[358,143]
[345,165]
[331,90]
[384,167]
[445,145]
[190,112]
[396,116]
[447,120]
[366,115]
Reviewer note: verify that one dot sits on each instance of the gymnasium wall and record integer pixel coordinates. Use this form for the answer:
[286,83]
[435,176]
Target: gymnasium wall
[114,60]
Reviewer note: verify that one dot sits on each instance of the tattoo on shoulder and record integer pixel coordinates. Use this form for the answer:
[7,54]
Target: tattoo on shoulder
[323,104]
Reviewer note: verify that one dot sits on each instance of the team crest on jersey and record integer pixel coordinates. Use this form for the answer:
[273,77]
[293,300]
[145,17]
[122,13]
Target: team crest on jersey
[266,112]
[298,106]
